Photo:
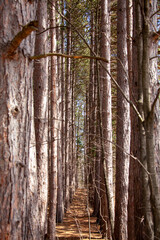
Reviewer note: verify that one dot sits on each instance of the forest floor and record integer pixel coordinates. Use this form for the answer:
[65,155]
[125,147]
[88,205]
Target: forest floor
[78,223]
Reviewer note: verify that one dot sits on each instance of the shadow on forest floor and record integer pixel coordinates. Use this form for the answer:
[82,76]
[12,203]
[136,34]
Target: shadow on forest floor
[77,222]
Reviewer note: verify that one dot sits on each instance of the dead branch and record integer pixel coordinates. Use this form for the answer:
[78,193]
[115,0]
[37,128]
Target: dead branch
[68,56]
[158,10]
[47,29]
[16,41]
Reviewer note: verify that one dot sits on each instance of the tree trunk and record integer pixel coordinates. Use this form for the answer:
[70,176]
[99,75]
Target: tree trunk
[123,127]
[18,169]
[73,157]
[40,77]
[91,116]
[86,136]
[134,142]
[67,115]
[60,202]
[53,162]
[135,213]
[107,104]
[63,108]
[104,205]
[145,202]
[97,140]
[148,83]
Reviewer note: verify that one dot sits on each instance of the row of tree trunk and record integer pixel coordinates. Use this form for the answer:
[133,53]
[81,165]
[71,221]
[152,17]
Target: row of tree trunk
[55,110]
[38,150]
[137,188]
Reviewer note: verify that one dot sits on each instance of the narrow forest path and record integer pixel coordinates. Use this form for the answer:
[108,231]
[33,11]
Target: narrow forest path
[77,223]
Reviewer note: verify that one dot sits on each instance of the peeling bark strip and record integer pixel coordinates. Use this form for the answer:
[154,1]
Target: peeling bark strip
[16,41]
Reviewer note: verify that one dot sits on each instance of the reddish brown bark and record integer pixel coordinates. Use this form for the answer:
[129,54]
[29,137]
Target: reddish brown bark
[18,172]
[123,127]
[41,115]
[106,105]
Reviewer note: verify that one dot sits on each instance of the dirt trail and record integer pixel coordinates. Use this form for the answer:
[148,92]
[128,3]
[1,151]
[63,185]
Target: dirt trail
[77,223]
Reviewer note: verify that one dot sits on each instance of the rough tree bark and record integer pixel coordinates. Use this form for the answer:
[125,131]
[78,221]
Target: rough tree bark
[97,119]
[40,77]
[73,157]
[67,115]
[107,104]
[123,127]
[146,217]
[86,136]
[18,170]
[135,213]
[53,160]
[91,117]
[63,107]
[60,202]
[149,84]
[134,142]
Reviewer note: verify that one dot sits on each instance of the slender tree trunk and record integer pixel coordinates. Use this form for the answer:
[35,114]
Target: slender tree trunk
[97,195]
[104,205]
[71,125]
[60,202]
[18,168]
[135,213]
[134,124]
[67,116]
[91,117]
[97,121]
[73,136]
[53,163]
[97,146]
[97,168]
[148,221]
[87,136]
[63,108]
[107,104]
[123,127]
[41,115]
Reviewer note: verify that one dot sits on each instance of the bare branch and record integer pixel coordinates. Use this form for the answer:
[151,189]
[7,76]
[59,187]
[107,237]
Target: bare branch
[50,29]
[155,13]
[68,56]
